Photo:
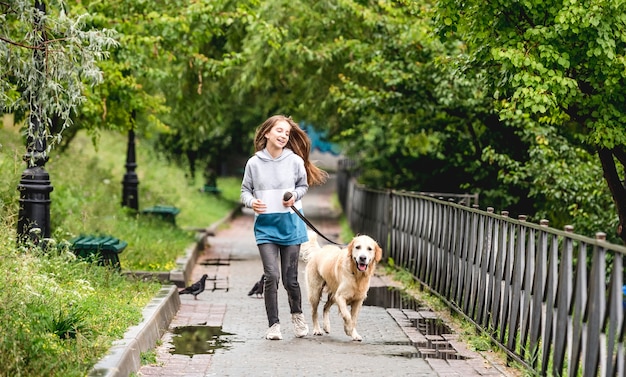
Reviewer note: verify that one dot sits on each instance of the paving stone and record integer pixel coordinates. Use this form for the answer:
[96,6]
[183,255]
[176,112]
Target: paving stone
[234,264]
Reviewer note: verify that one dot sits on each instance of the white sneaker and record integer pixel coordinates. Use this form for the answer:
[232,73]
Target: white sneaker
[273,333]
[300,327]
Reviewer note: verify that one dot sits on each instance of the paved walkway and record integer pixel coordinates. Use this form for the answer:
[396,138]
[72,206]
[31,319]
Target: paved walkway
[236,323]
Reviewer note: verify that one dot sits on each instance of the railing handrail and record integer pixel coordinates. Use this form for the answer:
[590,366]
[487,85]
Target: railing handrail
[551,299]
[563,233]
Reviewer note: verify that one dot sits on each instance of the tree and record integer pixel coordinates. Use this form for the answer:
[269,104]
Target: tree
[374,75]
[166,79]
[204,118]
[556,73]
[129,96]
[42,76]
[353,68]
[69,52]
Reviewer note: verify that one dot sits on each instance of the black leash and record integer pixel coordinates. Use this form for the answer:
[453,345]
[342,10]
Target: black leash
[288,196]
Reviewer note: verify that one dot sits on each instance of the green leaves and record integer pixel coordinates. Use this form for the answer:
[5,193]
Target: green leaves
[427,96]
[51,81]
[558,74]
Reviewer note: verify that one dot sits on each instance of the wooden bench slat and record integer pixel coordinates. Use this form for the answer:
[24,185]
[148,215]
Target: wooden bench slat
[166,212]
[105,247]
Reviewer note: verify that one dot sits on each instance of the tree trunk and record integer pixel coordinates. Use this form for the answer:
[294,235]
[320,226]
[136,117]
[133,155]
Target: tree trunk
[616,186]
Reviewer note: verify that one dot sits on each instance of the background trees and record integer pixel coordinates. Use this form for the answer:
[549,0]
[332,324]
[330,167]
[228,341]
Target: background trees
[521,103]
[556,74]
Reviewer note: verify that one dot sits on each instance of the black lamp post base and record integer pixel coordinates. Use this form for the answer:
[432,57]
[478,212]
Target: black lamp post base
[34,213]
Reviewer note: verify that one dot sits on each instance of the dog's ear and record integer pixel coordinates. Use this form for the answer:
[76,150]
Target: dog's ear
[350,247]
[379,253]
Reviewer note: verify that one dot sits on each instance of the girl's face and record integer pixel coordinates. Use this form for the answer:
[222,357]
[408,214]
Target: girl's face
[278,136]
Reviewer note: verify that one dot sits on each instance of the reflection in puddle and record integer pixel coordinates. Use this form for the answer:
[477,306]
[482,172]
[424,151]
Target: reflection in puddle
[389,297]
[196,340]
[435,333]
[431,326]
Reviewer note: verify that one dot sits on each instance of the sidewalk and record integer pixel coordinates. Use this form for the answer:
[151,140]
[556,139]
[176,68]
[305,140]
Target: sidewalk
[239,321]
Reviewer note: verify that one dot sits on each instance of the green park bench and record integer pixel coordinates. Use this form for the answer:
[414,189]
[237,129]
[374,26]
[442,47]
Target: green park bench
[211,189]
[105,249]
[167,213]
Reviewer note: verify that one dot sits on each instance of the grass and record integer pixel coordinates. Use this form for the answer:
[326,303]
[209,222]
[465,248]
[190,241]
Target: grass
[153,245]
[61,314]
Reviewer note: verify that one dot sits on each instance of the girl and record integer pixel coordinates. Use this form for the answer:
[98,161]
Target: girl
[281,164]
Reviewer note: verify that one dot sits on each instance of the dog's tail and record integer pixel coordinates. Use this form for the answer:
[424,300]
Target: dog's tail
[307,248]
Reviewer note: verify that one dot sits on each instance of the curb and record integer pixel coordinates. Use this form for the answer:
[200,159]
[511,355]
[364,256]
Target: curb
[181,275]
[124,357]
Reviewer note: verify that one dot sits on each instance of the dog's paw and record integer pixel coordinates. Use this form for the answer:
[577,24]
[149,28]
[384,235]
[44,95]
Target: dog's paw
[317,331]
[349,330]
[326,328]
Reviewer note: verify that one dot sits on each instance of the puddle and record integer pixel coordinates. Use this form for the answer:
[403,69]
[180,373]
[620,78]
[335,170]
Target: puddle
[196,340]
[431,326]
[433,345]
[389,297]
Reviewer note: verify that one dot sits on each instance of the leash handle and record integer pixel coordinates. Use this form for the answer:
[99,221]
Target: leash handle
[286,196]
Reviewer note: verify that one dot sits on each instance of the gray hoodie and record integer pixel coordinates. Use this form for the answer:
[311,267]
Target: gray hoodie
[268,178]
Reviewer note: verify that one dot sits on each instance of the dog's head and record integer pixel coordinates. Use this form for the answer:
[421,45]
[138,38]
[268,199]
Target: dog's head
[365,252]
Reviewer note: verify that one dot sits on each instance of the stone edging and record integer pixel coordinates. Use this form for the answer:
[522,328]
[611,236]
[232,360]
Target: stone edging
[182,274]
[124,356]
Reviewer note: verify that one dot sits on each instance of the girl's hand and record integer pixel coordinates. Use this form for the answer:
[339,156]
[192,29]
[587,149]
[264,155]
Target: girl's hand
[258,206]
[290,202]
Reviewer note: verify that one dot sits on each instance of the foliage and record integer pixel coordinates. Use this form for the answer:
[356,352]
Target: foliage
[374,75]
[558,172]
[60,314]
[511,102]
[556,73]
[334,64]
[417,112]
[203,124]
[130,96]
[168,79]
[148,357]
[48,56]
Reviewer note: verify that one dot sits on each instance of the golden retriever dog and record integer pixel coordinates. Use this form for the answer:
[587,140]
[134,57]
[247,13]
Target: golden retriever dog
[345,274]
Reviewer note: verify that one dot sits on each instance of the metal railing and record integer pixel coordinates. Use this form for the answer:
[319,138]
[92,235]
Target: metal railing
[551,299]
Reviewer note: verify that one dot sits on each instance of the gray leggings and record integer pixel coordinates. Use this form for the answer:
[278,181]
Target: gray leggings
[289,256]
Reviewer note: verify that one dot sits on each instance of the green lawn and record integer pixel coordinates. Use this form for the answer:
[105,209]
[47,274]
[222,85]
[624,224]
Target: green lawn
[61,314]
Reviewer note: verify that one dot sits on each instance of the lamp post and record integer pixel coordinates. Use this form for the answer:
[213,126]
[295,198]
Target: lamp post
[34,186]
[130,193]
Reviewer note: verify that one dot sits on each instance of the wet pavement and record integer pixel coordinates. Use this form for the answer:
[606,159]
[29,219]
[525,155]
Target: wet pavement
[222,332]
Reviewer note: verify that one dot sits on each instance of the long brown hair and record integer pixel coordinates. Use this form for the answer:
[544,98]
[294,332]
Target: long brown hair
[299,142]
